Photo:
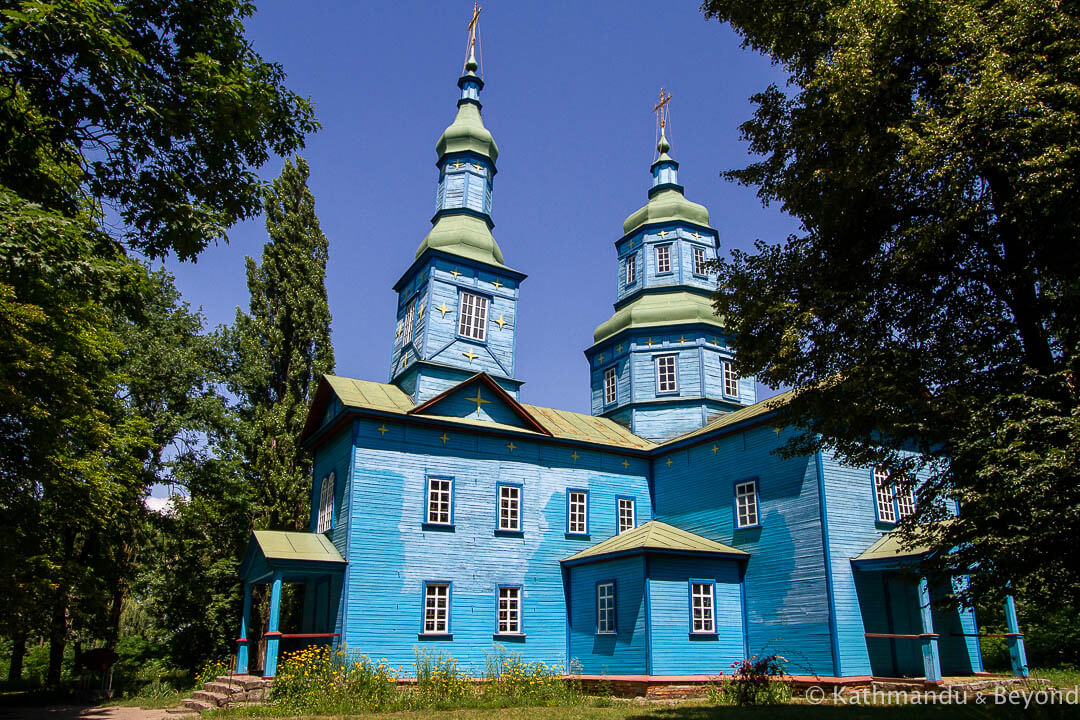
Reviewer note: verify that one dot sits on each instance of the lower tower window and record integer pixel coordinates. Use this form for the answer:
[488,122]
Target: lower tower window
[666,381]
[473,317]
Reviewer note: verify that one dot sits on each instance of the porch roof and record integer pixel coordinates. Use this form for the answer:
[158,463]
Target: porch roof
[890,549]
[655,536]
[293,553]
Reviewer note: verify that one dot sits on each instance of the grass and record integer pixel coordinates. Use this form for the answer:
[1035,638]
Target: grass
[1064,678]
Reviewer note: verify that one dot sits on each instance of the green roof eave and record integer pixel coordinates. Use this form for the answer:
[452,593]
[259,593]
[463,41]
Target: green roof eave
[655,537]
[890,550]
[517,275]
[464,235]
[272,551]
[467,134]
[668,205]
[658,309]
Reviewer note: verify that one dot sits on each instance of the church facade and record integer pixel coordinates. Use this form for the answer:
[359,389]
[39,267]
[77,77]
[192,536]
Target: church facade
[657,536]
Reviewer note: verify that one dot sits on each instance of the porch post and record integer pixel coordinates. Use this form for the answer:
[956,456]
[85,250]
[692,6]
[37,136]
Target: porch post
[272,634]
[1015,639]
[242,642]
[929,639]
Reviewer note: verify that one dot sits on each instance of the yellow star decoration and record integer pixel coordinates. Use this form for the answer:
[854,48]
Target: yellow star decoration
[575,456]
[480,168]
[625,463]
[497,284]
[777,431]
[404,360]
[715,341]
[420,312]
[682,339]
[696,235]
[479,400]
[715,447]
[471,355]
[662,233]
[455,273]
[399,331]
[443,309]
[600,358]
[458,165]
[444,438]
[500,322]
[669,462]
[383,429]
[511,446]
[618,349]
[650,343]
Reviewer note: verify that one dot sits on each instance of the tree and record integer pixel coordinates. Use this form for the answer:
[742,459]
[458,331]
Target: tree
[927,309]
[282,347]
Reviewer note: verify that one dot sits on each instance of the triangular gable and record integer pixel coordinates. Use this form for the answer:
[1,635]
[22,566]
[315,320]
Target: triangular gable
[335,394]
[480,398]
[657,537]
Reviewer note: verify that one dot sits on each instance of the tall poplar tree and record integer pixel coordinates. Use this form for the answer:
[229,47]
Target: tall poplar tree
[282,347]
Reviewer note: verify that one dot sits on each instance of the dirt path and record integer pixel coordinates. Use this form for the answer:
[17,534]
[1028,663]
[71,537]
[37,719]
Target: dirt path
[81,712]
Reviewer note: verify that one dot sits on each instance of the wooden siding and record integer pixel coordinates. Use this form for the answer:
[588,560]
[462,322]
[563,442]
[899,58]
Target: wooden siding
[786,595]
[624,652]
[673,650]
[392,552]
[663,422]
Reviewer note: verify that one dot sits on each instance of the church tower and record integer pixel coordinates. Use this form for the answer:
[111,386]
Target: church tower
[457,302]
[662,364]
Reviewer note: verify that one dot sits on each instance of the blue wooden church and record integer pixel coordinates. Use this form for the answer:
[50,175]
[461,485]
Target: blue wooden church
[658,536]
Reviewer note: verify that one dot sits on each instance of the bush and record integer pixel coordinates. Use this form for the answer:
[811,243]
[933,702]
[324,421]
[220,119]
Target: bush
[321,681]
[757,681]
[512,682]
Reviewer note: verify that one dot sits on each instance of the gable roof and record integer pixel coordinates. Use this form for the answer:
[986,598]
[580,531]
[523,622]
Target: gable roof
[389,399]
[655,536]
[750,412]
[270,550]
[484,379]
[890,548]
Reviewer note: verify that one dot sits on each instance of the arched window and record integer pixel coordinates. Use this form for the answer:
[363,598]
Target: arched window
[326,504]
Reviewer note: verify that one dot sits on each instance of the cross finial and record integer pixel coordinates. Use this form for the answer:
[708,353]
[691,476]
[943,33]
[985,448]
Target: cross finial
[661,109]
[471,30]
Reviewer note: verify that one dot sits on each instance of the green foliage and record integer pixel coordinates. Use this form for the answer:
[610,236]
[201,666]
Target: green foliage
[757,681]
[927,309]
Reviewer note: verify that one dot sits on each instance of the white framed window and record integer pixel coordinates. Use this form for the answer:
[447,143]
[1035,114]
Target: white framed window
[577,512]
[509,619]
[663,259]
[699,260]
[437,608]
[610,385]
[746,504]
[627,518]
[905,501]
[440,494]
[702,617]
[631,269]
[883,495]
[472,322]
[509,507]
[666,382]
[731,380]
[407,331]
[326,504]
[605,608]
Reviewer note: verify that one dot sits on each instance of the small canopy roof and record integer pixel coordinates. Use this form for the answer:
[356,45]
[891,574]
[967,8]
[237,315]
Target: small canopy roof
[655,537]
[889,550]
[291,553]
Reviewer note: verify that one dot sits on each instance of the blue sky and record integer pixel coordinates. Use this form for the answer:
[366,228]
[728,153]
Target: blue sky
[568,97]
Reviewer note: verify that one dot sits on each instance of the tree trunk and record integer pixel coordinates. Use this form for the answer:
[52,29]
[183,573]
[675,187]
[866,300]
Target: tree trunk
[57,638]
[18,652]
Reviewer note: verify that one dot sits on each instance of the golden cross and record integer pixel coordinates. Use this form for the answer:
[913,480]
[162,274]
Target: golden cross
[420,312]
[682,339]
[383,429]
[444,438]
[455,273]
[715,448]
[697,236]
[650,343]
[600,358]
[500,322]
[479,168]
[669,462]
[443,309]
[479,400]
[471,355]
[497,284]
[661,108]
[618,349]
[575,456]
[511,446]
[399,331]
[457,166]
[625,463]
[472,26]
[777,431]
[662,233]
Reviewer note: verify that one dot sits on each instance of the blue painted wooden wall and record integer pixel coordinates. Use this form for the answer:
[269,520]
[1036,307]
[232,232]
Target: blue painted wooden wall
[624,652]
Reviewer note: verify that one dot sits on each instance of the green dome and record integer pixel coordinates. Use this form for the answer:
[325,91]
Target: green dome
[667,205]
[464,235]
[669,308]
[467,132]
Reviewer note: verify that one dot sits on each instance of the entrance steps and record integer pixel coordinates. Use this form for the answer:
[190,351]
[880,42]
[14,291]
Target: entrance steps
[223,691]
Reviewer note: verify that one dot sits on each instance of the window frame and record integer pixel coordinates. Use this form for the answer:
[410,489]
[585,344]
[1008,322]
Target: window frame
[326,503]
[613,609]
[727,368]
[570,492]
[409,323]
[428,522]
[698,269]
[630,269]
[448,631]
[657,359]
[667,247]
[520,631]
[461,316]
[611,373]
[711,584]
[753,483]
[882,482]
[499,486]
[619,500]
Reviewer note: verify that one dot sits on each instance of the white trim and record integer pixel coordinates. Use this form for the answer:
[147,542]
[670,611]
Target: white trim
[611,385]
[630,277]
[577,522]
[472,319]
[699,260]
[702,607]
[746,504]
[667,378]
[510,507]
[605,608]
[731,380]
[883,496]
[627,514]
[440,494]
[509,610]
[663,259]
[436,608]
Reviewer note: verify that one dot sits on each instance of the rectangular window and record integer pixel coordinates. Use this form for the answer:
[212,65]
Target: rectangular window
[883,495]
[731,380]
[440,493]
[437,608]
[663,259]
[577,512]
[665,374]
[509,507]
[699,260]
[610,386]
[473,320]
[626,515]
[631,269]
[905,501]
[701,602]
[746,504]
[605,608]
[406,333]
[509,611]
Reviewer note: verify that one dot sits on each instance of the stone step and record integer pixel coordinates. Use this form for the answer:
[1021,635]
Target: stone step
[197,705]
[179,711]
[223,688]
[247,682]
[213,698]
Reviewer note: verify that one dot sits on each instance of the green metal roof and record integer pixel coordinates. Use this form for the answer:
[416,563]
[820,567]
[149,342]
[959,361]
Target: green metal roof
[667,205]
[657,536]
[468,134]
[465,235]
[743,414]
[368,394]
[889,547]
[652,309]
[304,546]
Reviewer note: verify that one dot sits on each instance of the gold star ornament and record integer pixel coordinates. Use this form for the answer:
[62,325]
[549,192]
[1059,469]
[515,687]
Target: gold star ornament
[443,309]
[471,355]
